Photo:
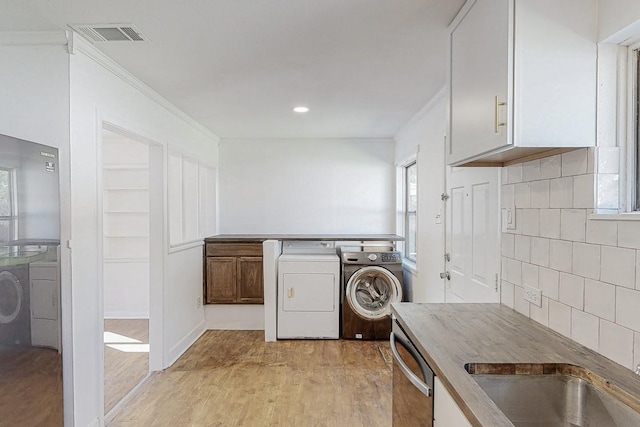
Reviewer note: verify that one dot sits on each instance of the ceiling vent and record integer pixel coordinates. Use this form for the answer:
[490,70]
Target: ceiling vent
[109,32]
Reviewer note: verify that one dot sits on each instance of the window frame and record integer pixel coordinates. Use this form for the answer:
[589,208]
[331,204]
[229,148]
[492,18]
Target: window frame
[634,126]
[410,213]
[13,204]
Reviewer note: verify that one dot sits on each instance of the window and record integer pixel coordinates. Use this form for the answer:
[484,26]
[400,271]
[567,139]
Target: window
[636,125]
[8,218]
[410,210]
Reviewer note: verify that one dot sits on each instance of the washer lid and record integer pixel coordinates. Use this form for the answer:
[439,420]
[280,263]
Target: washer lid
[10,297]
[371,290]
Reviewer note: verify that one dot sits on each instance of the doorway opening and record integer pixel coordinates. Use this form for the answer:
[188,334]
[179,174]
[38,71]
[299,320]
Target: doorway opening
[129,184]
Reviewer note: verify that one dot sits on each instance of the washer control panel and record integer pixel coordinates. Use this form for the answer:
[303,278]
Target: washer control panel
[390,257]
[372,258]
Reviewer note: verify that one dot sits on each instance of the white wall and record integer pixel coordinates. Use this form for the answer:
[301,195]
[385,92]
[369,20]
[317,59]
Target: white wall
[307,186]
[100,91]
[614,16]
[427,130]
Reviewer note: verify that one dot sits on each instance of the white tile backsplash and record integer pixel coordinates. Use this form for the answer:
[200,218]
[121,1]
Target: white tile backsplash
[520,304]
[619,266]
[584,191]
[573,224]
[560,318]
[551,167]
[585,328]
[629,234]
[548,282]
[507,245]
[540,194]
[575,162]
[561,192]
[530,274]
[607,191]
[531,170]
[514,173]
[507,196]
[523,195]
[549,223]
[540,314]
[628,308]
[571,290]
[587,269]
[608,160]
[616,343]
[560,255]
[586,260]
[600,299]
[523,248]
[530,222]
[602,232]
[539,251]
[507,293]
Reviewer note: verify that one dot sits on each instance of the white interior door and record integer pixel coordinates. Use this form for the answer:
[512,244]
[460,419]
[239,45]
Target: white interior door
[472,240]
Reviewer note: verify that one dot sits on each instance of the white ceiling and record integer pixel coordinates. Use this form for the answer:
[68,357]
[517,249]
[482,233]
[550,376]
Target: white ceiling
[364,67]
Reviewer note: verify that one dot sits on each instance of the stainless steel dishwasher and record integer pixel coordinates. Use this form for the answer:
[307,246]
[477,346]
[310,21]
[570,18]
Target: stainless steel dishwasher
[412,382]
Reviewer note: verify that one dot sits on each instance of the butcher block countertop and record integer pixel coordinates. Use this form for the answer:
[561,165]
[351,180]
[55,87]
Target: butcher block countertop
[451,335]
[322,237]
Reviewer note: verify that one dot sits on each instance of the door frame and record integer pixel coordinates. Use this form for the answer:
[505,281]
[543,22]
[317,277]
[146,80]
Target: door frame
[157,243]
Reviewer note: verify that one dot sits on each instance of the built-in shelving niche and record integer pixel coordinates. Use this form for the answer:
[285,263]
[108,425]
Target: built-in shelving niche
[125,226]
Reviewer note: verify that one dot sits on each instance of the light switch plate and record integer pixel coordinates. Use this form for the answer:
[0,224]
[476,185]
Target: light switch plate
[533,295]
[510,220]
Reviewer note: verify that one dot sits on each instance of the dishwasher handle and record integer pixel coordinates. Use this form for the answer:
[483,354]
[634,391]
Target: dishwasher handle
[415,380]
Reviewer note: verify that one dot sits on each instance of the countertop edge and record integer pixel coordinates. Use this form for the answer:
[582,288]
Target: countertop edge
[305,237]
[461,340]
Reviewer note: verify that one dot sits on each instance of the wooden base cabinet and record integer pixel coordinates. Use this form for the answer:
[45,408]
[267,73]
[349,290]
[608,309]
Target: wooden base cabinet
[233,273]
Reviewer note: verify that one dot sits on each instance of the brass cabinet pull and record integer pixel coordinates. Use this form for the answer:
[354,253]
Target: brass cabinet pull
[496,114]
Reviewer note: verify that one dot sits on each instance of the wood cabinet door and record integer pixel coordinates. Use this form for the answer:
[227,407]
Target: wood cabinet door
[478,76]
[221,280]
[250,280]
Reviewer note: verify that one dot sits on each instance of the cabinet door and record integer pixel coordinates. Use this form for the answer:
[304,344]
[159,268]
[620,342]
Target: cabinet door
[250,280]
[221,280]
[445,410]
[479,72]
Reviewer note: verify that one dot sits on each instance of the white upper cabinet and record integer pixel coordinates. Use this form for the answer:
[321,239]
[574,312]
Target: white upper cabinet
[522,79]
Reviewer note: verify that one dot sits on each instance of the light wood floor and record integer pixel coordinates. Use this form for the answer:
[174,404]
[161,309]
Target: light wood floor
[234,378]
[124,370]
[30,387]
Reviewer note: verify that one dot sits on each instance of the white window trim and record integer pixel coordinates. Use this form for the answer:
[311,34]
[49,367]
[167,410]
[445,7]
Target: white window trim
[401,206]
[626,80]
[14,217]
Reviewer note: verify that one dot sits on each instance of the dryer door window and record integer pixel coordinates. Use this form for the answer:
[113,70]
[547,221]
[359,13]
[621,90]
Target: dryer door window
[370,292]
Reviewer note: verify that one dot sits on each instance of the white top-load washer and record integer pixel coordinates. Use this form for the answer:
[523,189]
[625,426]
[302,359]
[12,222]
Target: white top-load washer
[308,290]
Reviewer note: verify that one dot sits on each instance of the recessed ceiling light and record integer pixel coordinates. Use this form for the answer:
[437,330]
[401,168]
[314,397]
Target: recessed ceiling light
[300,109]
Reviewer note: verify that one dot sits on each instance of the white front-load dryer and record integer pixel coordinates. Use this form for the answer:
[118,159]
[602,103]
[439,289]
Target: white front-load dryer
[308,296]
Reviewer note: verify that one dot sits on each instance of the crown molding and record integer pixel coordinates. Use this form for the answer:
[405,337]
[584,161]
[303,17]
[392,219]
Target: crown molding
[79,44]
[34,38]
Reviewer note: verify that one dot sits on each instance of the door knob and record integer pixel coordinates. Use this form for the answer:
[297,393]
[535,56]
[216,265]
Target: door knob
[445,275]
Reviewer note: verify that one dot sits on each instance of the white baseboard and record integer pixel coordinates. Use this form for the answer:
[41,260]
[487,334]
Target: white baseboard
[245,317]
[94,423]
[183,345]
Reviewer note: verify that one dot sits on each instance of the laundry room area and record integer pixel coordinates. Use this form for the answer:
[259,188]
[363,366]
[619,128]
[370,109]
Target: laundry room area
[336,286]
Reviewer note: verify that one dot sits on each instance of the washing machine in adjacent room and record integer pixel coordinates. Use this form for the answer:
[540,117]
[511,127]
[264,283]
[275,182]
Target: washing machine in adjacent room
[308,291]
[15,320]
[371,282]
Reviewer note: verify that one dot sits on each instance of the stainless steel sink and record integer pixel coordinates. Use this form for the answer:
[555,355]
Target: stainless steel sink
[554,397]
